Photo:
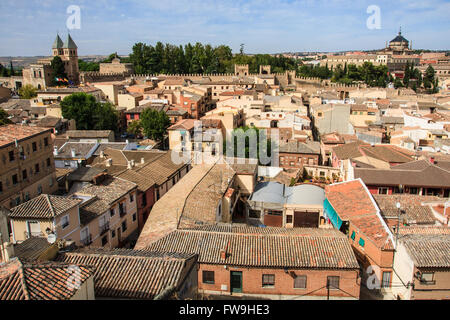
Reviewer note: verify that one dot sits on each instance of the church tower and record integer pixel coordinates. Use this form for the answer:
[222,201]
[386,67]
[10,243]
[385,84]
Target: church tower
[70,58]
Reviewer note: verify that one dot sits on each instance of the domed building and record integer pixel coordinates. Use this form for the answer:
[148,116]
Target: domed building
[398,46]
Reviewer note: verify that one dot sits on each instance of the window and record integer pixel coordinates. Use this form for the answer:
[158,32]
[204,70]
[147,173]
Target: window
[157,194]
[15,179]
[39,190]
[65,222]
[274,212]
[45,141]
[361,242]
[131,198]
[382,190]
[124,226]
[112,212]
[289,218]
[113,233]
[34,146]
[268,280]
[134,217]
[36,168]
[11,156]
[333,282]
[208,277]
[427,277]
[353,235]
[48,162]
[104,240]
[300,282]
[386,280]
[254,214]
[51,182]
[24,174]
[1,187]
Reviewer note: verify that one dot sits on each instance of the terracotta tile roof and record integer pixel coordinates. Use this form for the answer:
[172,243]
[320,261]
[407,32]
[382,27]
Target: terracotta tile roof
[44,281]
[10,132]
[83,150]
[31,249]
[311,147]
[88,133]
[411,205]
[108,191]
[43,207]
[428,251]
[431,176]
[202,202]
[424,230]
[131,274]
[353,202]
[185,124]
[329,250]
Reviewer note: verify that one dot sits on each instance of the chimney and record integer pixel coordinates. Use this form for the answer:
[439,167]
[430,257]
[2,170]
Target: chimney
[224,252]
[142,160]
[132,163]
[73,153]
[102,154]
[108,162]
[55,151]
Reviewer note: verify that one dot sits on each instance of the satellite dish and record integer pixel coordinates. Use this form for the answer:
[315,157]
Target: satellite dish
[51,238]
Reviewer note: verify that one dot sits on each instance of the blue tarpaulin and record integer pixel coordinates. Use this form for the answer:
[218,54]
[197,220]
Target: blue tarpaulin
[331,214]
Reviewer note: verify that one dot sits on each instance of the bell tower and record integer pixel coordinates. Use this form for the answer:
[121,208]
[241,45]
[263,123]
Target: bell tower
[70,58]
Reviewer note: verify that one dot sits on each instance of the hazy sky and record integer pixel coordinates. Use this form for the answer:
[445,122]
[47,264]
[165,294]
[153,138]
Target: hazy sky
[28,27]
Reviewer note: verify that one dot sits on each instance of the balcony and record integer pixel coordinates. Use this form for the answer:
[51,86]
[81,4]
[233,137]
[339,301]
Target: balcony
[87,241]
[29,235]
[104,228]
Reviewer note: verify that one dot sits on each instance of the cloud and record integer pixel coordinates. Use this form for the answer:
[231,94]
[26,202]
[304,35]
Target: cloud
[263,25]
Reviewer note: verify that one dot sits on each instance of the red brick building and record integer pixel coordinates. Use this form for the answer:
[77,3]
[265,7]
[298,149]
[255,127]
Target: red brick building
[295,154]
[272,263]
[352,210]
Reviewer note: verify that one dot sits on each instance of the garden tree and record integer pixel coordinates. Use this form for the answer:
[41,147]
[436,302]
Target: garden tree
[88,66]
[88,113]
[407,75]
[3,71]
[58,70]
[265,148]
[241,50]
[398,83]
[27,92]
[134,128]
[105,117]
[11,69]
[154,123]
[4,117]
[428,80]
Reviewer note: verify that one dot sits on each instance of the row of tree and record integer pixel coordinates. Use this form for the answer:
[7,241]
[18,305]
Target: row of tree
[92,115]
[199,58]
[9,72]
[374,76]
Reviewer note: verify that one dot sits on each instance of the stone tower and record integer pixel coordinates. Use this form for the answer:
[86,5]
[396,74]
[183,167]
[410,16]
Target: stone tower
[68,52]
[264,69]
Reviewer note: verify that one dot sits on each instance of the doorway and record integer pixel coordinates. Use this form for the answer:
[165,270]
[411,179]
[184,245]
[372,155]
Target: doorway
[236,282]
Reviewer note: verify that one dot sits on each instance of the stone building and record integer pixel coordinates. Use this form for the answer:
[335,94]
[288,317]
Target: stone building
[116,67]
[39,74]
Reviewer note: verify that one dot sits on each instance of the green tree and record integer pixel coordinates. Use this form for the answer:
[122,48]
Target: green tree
[27,92]
[88,113]
[154,123]
[134,128]
[58,70]
[265,148]
[4,117]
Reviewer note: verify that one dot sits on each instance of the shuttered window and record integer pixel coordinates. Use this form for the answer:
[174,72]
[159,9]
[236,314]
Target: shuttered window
[300,282]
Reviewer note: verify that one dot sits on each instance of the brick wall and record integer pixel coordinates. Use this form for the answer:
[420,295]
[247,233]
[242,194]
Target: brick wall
[284,283]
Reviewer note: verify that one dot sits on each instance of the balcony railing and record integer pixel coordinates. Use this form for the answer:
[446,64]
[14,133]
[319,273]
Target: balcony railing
[104,228]
[33,234]
[87,241]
